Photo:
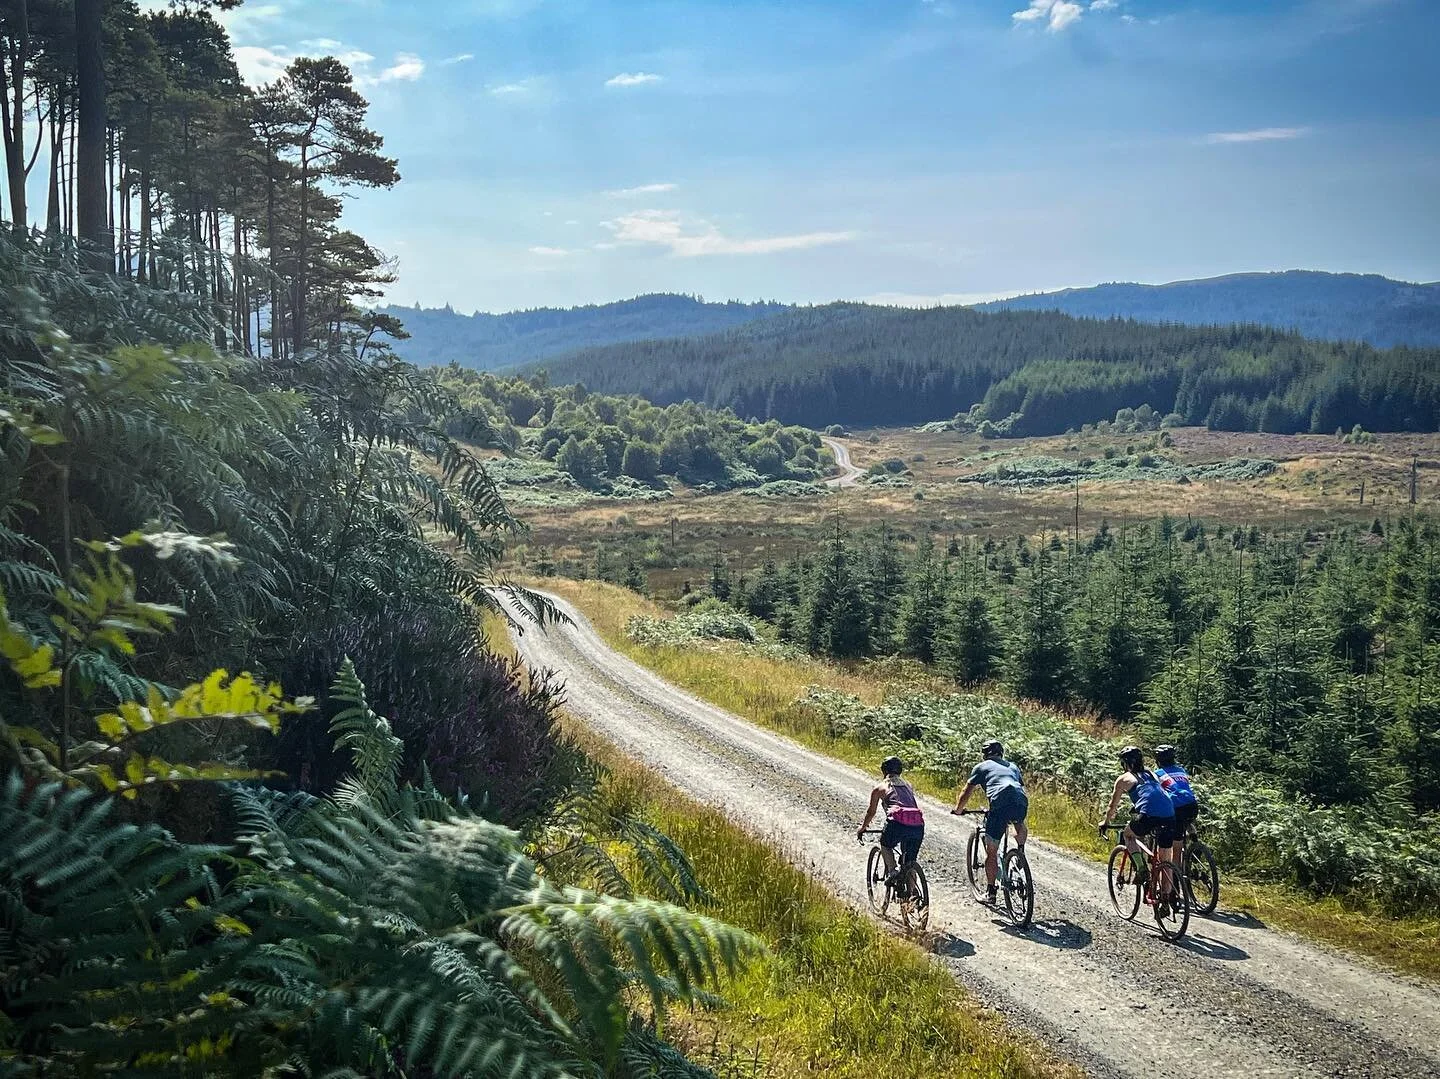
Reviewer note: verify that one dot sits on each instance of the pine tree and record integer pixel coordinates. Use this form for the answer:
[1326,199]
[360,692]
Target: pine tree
[922,611]
[836,619]
[969,646]
[1038,660]
[884,586]
[720,584]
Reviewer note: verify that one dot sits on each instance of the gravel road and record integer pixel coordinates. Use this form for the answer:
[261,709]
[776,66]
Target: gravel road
[849,474]
[1234,999]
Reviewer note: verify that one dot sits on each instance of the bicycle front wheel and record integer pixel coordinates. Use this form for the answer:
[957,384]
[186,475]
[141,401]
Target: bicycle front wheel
[975,865]
[1124,883]
[1019,888]
[1169,901]
[875,887]
[915,907]
[1202,878]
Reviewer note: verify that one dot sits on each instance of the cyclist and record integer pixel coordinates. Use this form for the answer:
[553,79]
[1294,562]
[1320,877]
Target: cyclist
[1152,811]
[1176,782]
[1009,804]
[904,821]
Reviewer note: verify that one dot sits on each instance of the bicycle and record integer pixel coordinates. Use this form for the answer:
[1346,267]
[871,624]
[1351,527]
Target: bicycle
[1131,884]
[1014,878]
[910,889]
[1202,875]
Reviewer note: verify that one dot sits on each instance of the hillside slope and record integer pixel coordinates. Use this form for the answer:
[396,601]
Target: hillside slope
[487,342]
[1035,372]
[1337,307]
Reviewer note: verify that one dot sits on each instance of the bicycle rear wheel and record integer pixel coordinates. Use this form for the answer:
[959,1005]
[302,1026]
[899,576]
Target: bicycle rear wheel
[1170,902]
[875,887]
[1202,878]
[1019,888]
[915,907]
[975,866]
[1124,883]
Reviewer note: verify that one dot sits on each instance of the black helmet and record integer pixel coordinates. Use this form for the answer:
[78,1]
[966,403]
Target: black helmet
[1132,758]
[992,748]
[1165,755]
[892,766]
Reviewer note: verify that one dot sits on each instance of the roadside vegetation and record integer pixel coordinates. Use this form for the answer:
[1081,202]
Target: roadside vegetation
[854,709]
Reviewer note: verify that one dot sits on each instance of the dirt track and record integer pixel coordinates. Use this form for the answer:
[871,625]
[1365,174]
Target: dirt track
[849,474]
[1235,999]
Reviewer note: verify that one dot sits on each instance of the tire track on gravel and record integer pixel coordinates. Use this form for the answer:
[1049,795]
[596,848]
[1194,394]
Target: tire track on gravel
[1237,999]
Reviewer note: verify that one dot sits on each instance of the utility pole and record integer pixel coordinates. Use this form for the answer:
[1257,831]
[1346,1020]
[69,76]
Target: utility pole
[1414,476]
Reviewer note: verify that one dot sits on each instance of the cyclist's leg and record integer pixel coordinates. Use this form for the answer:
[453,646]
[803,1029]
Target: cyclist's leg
[889,836]
[1184,817]
[1022,832]
[997,819]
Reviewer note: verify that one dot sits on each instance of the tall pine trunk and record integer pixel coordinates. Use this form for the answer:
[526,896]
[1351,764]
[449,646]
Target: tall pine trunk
[12,99]
[89,159]
[57,152]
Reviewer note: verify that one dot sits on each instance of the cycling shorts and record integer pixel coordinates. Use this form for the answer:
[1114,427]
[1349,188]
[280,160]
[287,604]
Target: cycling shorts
[907,836]
[1009,809]
[1184,817]
[1162,828]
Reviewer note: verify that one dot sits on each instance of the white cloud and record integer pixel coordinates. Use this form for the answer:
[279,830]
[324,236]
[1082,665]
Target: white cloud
[1055,14]
[508,89]
[637,78]
[643,189]
[459,58]
[939,299]
[259,64]
[692,239]
[243,22]
[407,68]
[549,252]
[1104,5]
[1261,134]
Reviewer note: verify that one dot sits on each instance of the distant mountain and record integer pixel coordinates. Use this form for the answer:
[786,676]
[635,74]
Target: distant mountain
[1335,307]
[488,342]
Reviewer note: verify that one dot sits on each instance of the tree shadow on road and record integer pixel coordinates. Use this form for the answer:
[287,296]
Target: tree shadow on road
[1212,949]
[1052,932]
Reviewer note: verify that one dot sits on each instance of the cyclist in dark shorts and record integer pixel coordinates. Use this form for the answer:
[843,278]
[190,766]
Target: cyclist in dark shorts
[1176,781]
[1152,811]
[1009,804]
[904,821]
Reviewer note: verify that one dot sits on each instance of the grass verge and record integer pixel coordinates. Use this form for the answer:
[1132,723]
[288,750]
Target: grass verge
[764,690]
[836,995]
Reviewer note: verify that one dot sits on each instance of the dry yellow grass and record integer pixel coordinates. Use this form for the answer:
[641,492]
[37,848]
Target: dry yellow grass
[764,691]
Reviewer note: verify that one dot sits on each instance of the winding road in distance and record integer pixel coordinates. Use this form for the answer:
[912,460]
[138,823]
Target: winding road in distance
[849,474]
[1236,999]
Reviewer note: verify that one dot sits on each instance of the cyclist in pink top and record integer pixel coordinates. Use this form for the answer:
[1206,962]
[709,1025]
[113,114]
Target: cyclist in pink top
[904,821]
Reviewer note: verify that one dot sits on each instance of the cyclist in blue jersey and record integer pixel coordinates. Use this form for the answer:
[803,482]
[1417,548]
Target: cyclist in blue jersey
[1176,781]
[1009,804]
[1152,811]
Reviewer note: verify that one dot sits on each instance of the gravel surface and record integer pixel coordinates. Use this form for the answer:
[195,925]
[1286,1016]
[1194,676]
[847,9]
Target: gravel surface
[849,474]
[1235,998]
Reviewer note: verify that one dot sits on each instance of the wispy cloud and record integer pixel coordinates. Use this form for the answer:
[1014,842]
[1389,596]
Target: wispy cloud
[1056,15]
[1260,134]
[407,68]
[643,189]
[636,78]
[512,89]
[550,252]
[459,58]
[938,299]
[693,239]
[1104,5]
[244,22]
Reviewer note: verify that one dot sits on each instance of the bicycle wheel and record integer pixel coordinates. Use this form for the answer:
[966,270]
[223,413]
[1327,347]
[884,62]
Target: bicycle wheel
[875,881]
[915,907]
[975,865]
[1124,883]
[1169,901]
[1202,878]
[1019,888]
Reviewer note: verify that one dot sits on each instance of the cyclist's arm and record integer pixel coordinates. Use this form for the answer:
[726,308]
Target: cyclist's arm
[869,813]
[964,797]
[1115,797]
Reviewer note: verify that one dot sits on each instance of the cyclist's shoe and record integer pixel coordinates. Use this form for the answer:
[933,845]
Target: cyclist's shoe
[990,894]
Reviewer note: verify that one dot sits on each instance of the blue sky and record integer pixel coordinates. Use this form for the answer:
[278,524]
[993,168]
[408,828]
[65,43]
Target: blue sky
[575,151]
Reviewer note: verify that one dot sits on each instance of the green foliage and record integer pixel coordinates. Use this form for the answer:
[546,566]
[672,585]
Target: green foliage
[709,620]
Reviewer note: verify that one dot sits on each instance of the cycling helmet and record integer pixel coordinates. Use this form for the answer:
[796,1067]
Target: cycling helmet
[892,766]
[992,748]
[1165,755]
[1132,758]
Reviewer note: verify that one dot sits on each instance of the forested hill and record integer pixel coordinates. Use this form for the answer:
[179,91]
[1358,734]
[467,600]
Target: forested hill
[1336,307]
[487,342]
[1035,372]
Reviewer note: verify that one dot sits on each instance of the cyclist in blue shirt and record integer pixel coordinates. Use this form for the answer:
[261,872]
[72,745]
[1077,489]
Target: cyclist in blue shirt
[1176,781]
[1152,811]
[1009,804]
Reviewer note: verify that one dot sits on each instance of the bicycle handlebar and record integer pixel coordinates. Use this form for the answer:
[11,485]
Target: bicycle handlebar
[970,813]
